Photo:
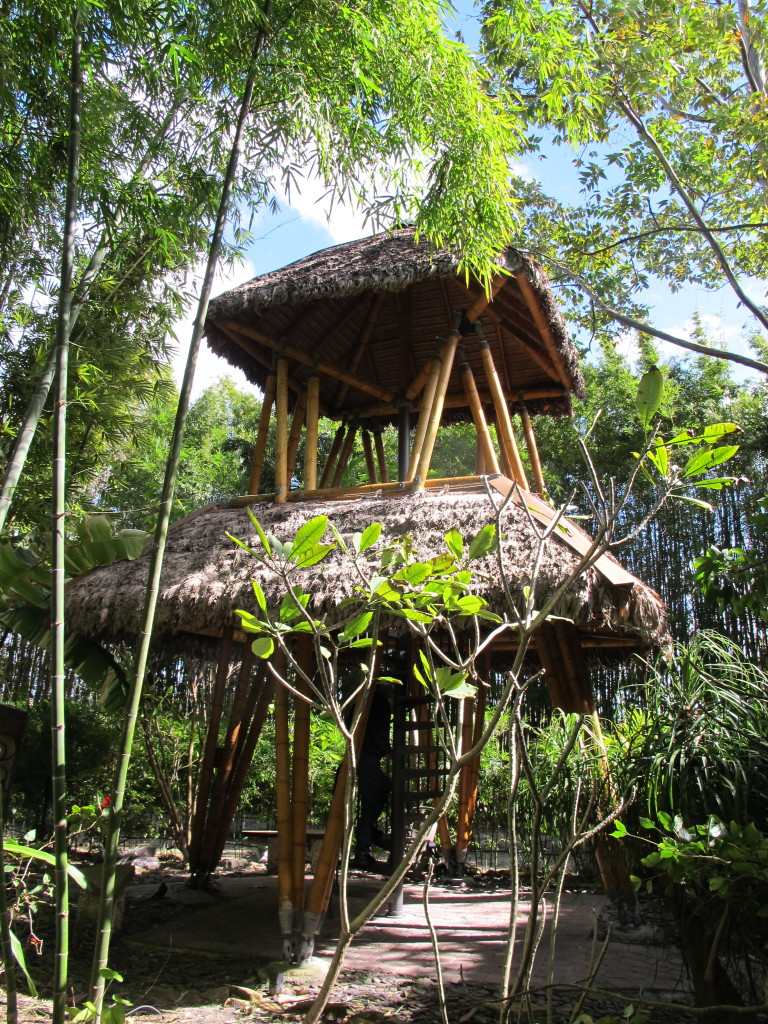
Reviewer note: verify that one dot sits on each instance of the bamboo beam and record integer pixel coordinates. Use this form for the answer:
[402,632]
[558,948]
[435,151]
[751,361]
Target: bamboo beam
[264,359]
[346,451]
[243,334]
[423,422]
[545,330]
[257,463]
[294,436]
[485,447]
[406,329]
[381,455]
[282,484]
[370,462]
[311,432]
[353,362]
[283,812]
[503,422]
[533,451]
[337,325]
[458,401]
[300,781]
[330,462]
[417,384]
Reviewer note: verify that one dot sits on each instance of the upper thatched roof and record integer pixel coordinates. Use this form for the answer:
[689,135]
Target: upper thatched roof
[206,577]
[323,305]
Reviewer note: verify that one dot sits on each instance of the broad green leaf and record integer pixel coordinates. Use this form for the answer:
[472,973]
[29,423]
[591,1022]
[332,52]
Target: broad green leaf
[357,626]
[484,543]
[455,543]
[18,955]
[660,458]
[311,556]
[706,460]
[650,392]
[261,601]
[414,574]
[263,647]
[18,850]
[308,537]
[369,536]
[413,615]
[470,605]
[249,622]
[260,532]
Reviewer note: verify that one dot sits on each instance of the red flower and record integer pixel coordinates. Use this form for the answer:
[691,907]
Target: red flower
[105,803]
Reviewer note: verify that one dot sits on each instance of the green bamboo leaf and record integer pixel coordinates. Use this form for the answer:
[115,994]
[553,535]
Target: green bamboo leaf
[308,537]
[706,460]
[18,850]
[18,955]
[650,392]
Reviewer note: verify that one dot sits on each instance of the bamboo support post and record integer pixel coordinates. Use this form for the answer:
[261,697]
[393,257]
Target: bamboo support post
[530,444]
[436,412]
[370,462]
[485,447]
[381,456]
[257,463]
[344,454]
[281,431]
[423,422]
[300,787]
[503,421]
[311,432]
[330,462]
[283,812]
[294,436]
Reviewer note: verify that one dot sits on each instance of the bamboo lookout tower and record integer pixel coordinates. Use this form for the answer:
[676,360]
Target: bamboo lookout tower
[373,333]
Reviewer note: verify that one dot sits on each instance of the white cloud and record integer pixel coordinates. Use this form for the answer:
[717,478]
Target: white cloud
[315,204]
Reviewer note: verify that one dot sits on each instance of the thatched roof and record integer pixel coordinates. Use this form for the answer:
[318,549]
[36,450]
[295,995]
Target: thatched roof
[401,297]
[206,577]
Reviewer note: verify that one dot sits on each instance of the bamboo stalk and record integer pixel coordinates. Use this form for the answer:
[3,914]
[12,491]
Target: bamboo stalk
[503,422]
[365,336]
[282,484]
[346,451]
[436,412]
[381,455]
[417,384]
[283,812]
[310,434]
[197,827]
[485,448]
[294,436]
[300,787]
[533,451]
[423,422]
[370,462]
[330,462]
[257,464]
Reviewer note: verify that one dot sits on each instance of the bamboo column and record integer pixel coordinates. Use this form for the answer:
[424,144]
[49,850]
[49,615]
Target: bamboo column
[427,399]
[370,462]
[330,462]
[503,421]
[284,814]
[485,447]
[300,785]
[346,451]
[530,444]
[436,410]
[257,464]
[281,431]
[310,434]
[381,455]
[295,433]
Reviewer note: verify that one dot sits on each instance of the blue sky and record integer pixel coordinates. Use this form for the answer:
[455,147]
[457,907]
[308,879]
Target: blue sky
[305,224]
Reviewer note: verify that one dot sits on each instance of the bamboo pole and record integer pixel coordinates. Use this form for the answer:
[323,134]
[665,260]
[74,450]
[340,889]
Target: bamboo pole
[294,435]
[381,455]
[330,462]
[283,811]
[282,483]
[485,447]
[310,434]
[426,407]
[300,783]
[197,827]
[365,336]
[346,451]
[436,412]
[545,330]
[257,464]
[530,444]
[370,462]
[503,422]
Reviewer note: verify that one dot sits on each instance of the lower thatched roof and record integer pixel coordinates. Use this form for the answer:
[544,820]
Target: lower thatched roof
[206,577]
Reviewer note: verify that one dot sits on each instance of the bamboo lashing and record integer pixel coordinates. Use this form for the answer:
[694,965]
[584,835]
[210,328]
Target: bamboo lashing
[300,785]
[311,432]
[330,462]
[284,815]
[365,336]
[257,463]
[530,444]
[370,462]
[503,422]
[294,436]
[534,307]
[427,399]
[381,456]
[281,431]
[484,443]
[346,451]
[243,334]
